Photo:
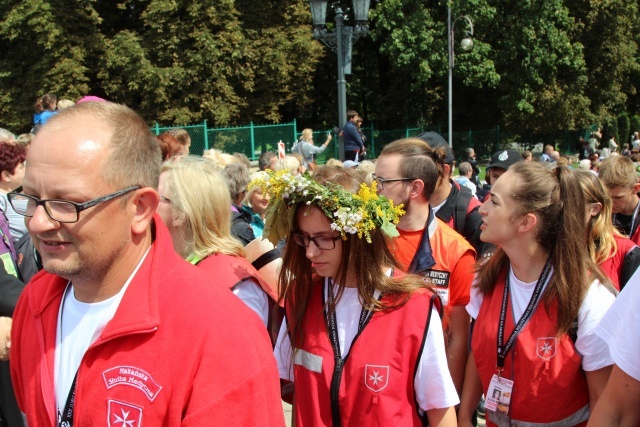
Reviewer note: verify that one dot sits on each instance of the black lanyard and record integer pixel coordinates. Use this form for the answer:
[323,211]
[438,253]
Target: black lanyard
[66,418]
[503,349]
[333,328]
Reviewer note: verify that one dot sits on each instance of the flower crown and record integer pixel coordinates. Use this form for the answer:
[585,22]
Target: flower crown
[351,213]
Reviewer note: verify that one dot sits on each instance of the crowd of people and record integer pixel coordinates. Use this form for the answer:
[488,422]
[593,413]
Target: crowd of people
[375,292]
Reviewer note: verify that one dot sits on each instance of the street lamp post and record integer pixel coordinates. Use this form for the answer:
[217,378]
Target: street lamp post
[340,42]
[466,44]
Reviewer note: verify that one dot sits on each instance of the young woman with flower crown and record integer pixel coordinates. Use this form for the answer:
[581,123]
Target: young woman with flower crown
[362,343]
[533,366]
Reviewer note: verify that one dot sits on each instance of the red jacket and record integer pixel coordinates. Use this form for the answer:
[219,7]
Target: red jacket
[549,384]
[376,384]
[176,353]
[236,269]
[612,266]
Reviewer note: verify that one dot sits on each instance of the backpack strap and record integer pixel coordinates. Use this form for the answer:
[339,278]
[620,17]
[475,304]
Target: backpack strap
[460,213]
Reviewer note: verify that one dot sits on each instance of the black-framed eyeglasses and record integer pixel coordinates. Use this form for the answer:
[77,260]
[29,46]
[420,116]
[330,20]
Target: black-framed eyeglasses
[382,181]
[59,210]
[321,242]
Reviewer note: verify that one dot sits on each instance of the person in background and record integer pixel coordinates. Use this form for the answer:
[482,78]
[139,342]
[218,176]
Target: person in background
[184,138]
[471,159]
[546,156]
[618,175]
[242,158]
[625,150]
[193,206]
[527,156]
[289,163]
[44,108]
[353,144]
[466,172]
[526,299]
[237,177]
[219,158]
[617,256]
[363,155]
[12,157]
[264,161]
[63,104]
[169,146]
[24,140]
[501,161]
[255,202]
[306,148]
[7,136]
[613,145]
[342,371]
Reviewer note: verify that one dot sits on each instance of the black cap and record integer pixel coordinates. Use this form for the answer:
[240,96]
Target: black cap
[504,158]
[435,140]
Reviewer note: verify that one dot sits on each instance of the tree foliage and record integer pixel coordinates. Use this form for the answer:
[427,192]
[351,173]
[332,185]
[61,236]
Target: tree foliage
[537,65]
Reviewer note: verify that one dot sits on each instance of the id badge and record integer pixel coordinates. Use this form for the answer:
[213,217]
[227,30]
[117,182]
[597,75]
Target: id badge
[498,399]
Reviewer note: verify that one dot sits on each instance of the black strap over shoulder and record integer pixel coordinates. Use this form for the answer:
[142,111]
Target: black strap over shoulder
[630,264]
[460,214]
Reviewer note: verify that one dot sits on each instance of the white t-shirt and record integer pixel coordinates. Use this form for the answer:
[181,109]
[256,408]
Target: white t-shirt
[595,354]
[79,325]
[435,209]
[256,299]
[620,328]
[432,384]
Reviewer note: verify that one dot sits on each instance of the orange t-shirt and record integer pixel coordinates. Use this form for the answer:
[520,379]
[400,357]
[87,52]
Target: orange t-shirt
[453,272]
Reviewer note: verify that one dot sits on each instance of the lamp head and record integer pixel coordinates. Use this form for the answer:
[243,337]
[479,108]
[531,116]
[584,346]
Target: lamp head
[361,10]
[318,12]
[467,44]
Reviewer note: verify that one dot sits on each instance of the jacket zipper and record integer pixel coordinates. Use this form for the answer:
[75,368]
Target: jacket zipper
[335,391]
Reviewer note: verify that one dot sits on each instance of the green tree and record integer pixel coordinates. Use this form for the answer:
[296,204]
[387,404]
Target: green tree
[179,62]
[608,30]
[542,70]
[412,41]
[46,47]
[624,128]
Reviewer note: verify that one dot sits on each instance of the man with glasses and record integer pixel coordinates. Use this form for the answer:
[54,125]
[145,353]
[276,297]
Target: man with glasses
[118,326]
[406,173]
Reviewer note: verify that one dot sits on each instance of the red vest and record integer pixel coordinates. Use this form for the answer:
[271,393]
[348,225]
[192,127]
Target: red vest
[612,266]
[549,384]
[376,386]
[236,270]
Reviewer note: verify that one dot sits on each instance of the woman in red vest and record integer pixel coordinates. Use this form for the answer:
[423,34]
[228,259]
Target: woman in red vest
[362,344]
[194,205]
[525,303]
[617,255]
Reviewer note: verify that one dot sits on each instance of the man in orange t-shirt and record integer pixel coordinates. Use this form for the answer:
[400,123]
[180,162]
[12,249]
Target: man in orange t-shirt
[406,173]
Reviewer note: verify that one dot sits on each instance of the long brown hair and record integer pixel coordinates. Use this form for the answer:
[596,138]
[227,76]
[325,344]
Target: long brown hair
[367,262]
[556,198]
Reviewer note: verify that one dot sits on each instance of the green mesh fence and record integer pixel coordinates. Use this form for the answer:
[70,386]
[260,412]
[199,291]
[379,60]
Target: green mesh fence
[253,140]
